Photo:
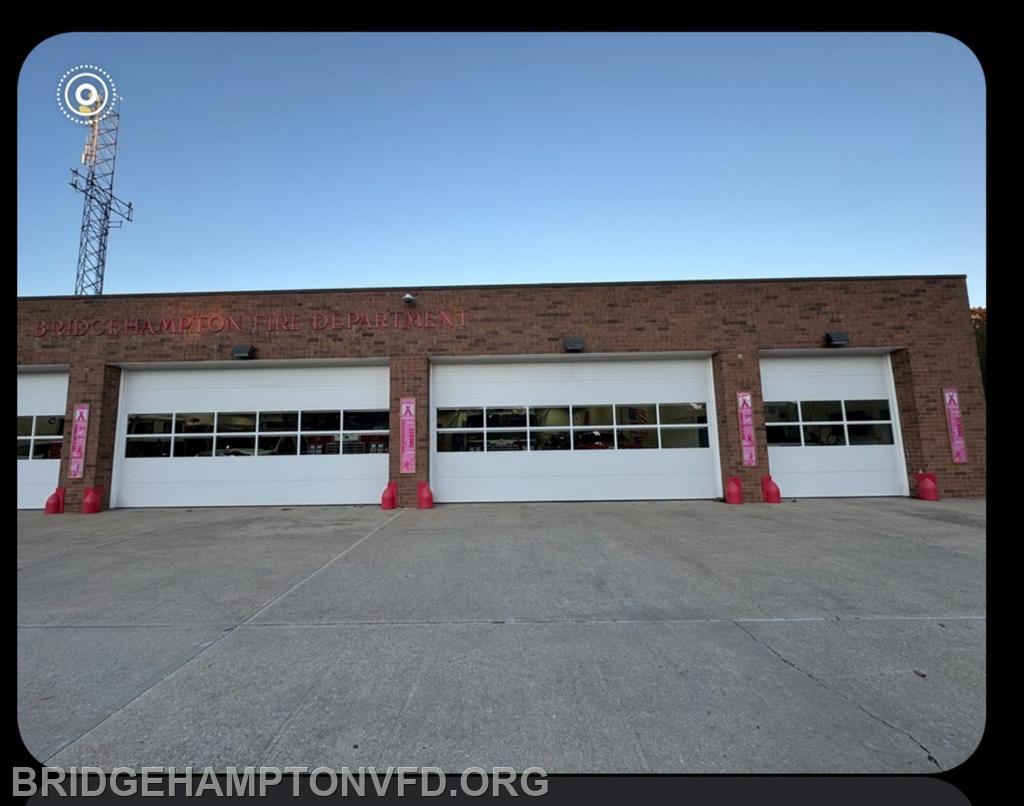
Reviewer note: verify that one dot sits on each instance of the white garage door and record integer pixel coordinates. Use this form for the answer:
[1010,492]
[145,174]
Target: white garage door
[574,431]
[42,401]
[252,436]
[832,426]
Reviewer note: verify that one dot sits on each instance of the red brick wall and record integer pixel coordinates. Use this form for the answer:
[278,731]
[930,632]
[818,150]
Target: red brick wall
[926,316]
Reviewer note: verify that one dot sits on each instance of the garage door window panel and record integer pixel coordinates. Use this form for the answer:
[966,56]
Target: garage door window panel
[277,445]
[628,438]
[147,447]
[683,413]
[821,411]
[506,441]
[460,418]
[193,423]
[591,415]
[506,418]
[50,425]
[684,438]
[867,410]
[150,423]
[783,435]
[236,422]
[870,434]
[377,420]
[40,437]
[781,412]
[640,414]
[46,449]
[320,444]
[460,442]
[234,445]
[191,447]
[550,440]
[549,417]
[828,435]
[586,439]
[364,443]
[277,421]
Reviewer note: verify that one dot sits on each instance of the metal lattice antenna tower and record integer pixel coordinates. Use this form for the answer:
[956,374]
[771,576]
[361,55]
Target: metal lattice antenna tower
[97,185]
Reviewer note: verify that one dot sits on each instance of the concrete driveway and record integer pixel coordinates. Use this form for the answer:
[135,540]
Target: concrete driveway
[815,636]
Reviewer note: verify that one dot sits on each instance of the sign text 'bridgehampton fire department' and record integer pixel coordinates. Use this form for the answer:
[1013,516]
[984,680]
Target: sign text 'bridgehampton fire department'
[252,324]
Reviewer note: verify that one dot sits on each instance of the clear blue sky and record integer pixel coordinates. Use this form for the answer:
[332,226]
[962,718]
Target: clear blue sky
[351,160]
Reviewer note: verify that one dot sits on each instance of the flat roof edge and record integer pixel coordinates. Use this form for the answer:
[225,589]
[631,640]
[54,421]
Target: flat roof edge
[589,284]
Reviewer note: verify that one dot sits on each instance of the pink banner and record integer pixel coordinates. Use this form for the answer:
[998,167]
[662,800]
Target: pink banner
[957,445]
[79,431]
[407,463]
[746,409]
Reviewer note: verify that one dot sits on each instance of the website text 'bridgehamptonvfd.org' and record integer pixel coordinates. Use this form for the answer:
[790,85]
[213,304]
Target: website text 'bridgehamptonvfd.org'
[250,781]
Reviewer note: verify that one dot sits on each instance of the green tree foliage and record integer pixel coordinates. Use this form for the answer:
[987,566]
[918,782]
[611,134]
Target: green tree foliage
[980,322]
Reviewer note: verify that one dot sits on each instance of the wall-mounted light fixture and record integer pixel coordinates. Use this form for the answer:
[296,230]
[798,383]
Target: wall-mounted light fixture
[837,338]
[243,352]
[409,299]
[572,344]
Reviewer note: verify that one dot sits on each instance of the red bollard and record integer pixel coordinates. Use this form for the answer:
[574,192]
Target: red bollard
[733,491]
[927,487]
[389,498]
[91,501]
[424,498]
[770,491]
[55,503]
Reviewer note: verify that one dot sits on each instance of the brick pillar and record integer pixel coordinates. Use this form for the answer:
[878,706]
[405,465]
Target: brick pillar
[410,377]
[738,370]
[920,379]
[910,423]
[99,386]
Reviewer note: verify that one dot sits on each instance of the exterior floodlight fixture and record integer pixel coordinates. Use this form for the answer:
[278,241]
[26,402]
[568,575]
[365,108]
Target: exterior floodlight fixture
[837,338]
[409,299]
[244,352]
[573,345]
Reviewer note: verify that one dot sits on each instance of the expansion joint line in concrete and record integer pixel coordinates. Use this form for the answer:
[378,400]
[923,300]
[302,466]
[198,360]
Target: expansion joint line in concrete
[224,635]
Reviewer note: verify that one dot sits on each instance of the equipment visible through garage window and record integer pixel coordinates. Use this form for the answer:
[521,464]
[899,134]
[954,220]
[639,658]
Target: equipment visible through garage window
[828,423]
[248,434]
[580,427]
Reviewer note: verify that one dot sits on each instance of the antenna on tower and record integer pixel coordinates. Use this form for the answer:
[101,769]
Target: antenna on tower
[97,185]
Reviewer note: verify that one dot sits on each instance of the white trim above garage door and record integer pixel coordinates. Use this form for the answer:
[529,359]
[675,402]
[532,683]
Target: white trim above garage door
[838,436]
[43,397]
[646,389]
[239,476]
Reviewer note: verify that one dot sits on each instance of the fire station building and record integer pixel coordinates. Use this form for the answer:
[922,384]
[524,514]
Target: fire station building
[574,392]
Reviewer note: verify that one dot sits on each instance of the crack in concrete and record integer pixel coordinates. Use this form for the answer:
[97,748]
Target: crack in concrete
[386,744]
[262,755]
[838,693]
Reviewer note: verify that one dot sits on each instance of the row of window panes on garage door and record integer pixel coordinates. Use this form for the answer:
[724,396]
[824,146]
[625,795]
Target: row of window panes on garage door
[40,437]
[828,423]
[563,428]
[265,433]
